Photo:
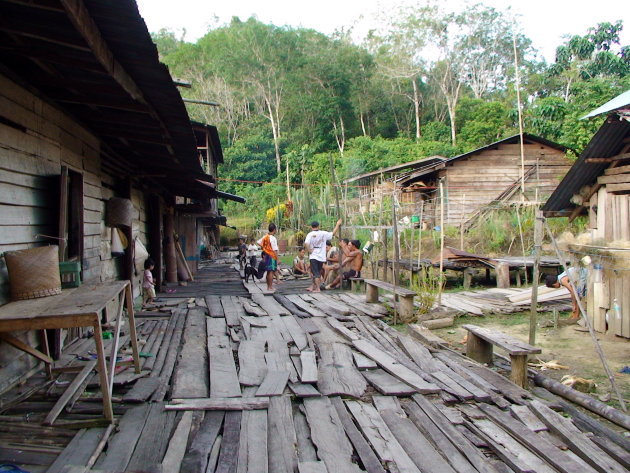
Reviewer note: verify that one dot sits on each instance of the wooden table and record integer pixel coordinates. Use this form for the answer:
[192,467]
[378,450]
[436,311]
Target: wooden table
[79,307]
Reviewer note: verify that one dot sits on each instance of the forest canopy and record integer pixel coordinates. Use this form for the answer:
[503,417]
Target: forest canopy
[426,82]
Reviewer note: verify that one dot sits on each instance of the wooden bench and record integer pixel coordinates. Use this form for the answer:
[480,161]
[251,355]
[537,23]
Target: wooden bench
[356,284]
[480,343]
[405,296]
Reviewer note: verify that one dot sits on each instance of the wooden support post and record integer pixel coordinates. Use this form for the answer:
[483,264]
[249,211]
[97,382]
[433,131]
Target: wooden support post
[170,256]
[518,374]
[385,262]
[533,314]
[478,349]
[371,293]
[518,277]
[406,307]
[439,301]
[502,271]
[468,274]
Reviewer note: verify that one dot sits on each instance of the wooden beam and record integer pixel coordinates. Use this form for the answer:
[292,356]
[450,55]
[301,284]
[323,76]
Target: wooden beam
[614,179]
[20,345]
[621,187]
[87,28]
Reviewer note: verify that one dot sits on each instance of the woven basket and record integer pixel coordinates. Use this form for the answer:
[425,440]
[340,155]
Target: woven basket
[119,212]
[34,273]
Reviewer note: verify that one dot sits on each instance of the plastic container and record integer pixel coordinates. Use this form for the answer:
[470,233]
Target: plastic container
[70,273]
[415,219]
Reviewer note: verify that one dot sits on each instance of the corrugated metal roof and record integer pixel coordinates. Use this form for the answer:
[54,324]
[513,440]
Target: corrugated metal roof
[607,142]
[420,163]
[621,101]
[426,165]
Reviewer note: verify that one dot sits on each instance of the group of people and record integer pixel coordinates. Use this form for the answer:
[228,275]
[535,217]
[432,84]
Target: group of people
[326,265]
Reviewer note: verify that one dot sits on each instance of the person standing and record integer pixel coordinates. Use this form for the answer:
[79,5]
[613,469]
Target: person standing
[315,243]
[269,246]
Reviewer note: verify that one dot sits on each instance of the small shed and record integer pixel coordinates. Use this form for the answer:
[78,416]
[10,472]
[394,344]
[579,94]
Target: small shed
[475,180]
[598,185]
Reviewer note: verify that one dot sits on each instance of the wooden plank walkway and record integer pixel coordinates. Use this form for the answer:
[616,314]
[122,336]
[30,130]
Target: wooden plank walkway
[254,384]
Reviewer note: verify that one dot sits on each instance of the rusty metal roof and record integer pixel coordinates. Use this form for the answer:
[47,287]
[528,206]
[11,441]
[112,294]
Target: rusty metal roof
[95,60]
[607,142]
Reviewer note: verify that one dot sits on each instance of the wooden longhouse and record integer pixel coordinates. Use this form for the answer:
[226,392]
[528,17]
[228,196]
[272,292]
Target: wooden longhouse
[87,113]
[473,181]
[598,185]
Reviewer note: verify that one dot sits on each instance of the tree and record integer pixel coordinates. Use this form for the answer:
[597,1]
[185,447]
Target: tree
[598,53]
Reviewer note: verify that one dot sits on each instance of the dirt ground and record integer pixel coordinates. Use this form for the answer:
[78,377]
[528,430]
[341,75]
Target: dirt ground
[568,346]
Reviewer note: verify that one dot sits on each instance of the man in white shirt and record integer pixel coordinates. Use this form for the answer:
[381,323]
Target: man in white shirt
[315,244]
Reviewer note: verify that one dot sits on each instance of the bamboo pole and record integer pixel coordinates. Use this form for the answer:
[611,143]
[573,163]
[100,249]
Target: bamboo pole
[333,179]
[587,321]
[520,116]
[441,243]
[461,224]
[538,236]
[396,265]
[520,231]
[420,234]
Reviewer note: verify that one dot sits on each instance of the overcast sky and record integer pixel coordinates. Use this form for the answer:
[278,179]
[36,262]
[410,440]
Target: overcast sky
[543,21]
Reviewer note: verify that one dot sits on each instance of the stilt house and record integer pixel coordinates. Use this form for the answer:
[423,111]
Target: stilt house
[473,181]
[87,114]
[598,185]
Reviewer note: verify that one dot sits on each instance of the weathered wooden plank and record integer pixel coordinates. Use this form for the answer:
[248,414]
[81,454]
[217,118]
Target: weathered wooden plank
[223,376]
[386,384]
[528,418]
[394,368]
[142,389]
[306,306]
[309,366]
[363,362]
[296,332]
[252,308]
[575,439]
[170,356]
[474,456]
[282,440]
[554,456]
[270,305]
[123,443]
[252,453]
[196,457]
[190,379]
[441,441]
[78,451]
[305,446]
[414,443]
[304,390]
[380,436]
[274,383]
[312,467]
[368,458]
[69,392]
[233,310]
[218,404]
[251,361]
[153,439]
[509,450]
[177,444]
[215,309]
[228,456]
[336,372]
[333,447]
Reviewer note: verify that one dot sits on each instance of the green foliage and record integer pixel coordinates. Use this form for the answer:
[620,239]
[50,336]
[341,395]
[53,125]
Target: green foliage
[296,96]
[428,285]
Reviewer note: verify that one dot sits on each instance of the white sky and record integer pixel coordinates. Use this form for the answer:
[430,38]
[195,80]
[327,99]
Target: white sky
[543,21]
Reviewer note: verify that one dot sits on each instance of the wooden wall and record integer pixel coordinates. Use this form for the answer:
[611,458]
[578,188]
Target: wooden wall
[477,180]
[36,139]
[610,221]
